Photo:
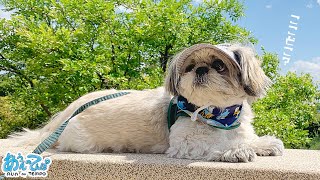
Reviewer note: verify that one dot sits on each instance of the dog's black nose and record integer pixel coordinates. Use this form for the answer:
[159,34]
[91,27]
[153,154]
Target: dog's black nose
[202,70]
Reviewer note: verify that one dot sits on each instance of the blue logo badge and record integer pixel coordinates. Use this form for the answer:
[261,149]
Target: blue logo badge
[31,165]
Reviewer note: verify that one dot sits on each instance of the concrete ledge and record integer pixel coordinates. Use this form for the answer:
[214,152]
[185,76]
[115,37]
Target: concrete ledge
[295,164]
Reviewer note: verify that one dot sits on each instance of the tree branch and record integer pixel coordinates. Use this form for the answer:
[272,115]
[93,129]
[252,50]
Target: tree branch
[103,81]
[16,71]
[165,57]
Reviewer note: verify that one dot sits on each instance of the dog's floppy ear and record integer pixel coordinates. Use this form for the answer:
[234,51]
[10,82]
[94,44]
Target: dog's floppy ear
[254,81]
[172,78]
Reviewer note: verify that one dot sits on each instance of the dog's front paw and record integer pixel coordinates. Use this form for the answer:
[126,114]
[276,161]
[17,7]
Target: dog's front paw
[172,152]
[268,146]
[242,154]
[178,152]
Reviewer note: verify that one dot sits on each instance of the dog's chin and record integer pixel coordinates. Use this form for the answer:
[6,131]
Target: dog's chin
[202,92]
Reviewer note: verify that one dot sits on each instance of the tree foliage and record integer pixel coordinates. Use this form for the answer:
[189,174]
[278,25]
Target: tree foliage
[289,111]
[55,51]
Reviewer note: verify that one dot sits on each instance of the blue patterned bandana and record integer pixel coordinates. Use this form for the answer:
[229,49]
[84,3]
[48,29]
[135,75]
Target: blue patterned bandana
[220,118]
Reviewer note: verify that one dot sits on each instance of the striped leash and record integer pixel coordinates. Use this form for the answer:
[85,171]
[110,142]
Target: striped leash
[49,141]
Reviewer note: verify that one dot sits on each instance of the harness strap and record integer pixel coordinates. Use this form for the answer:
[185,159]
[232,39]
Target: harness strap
[49,141]
[173,113]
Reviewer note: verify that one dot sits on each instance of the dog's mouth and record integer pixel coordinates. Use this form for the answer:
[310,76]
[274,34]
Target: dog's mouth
[200,80]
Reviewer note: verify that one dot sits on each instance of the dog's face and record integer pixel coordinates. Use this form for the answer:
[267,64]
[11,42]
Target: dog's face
[205,76]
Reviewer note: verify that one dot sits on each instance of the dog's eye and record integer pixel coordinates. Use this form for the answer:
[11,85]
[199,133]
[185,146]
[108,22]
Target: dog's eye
[189,68]
[218,65]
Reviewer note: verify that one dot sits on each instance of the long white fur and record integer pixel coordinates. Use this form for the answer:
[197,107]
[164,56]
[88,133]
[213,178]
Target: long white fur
[137,122]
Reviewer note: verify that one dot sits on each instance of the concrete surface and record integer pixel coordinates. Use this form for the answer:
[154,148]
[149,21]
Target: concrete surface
[294,164]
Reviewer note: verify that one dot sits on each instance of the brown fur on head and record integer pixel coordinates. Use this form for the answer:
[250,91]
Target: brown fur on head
[253,79]
[205,75]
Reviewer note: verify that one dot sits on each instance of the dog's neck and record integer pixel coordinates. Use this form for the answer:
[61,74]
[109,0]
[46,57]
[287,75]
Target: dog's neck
[225,118]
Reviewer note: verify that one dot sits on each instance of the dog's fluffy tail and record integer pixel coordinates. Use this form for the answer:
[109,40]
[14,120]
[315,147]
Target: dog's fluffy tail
[26,138]
[34,137]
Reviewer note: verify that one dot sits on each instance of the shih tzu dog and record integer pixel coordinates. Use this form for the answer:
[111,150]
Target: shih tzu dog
[211,86]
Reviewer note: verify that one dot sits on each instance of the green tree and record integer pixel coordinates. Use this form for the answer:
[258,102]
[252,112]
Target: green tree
[270,64]
[55,51]
[289,111]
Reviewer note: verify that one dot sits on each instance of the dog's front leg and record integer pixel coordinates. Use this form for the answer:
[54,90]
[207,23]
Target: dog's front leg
[187,141]
[241,153]
[192,140]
